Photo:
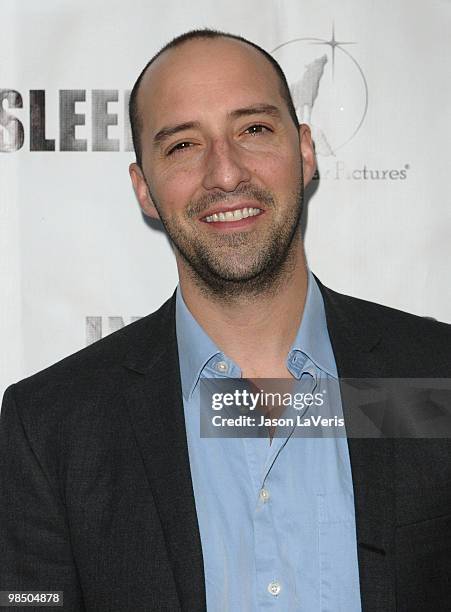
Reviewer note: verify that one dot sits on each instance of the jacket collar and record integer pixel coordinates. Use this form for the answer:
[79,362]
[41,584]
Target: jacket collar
[352,334]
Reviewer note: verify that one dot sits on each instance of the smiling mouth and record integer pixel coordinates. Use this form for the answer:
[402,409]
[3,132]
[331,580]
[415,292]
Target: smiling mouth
[232,215]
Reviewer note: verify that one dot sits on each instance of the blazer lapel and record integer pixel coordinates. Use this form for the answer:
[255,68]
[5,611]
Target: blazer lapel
[357,345]
[155,405]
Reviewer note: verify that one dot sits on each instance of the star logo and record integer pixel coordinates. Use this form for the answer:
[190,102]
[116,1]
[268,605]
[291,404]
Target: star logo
[330,91]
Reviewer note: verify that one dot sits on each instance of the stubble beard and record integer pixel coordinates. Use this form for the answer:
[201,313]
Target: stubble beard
[238,265]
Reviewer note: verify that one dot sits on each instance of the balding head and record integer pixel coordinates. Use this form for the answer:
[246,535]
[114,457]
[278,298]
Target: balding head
[215,133]
[182,44]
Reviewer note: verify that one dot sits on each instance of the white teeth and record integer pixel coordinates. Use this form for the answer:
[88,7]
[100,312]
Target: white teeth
[235,215]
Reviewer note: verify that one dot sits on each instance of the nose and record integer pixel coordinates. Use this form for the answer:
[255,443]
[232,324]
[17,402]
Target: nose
[225,167]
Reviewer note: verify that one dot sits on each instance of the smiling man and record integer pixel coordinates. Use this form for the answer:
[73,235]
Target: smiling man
[220,164]
[108,491]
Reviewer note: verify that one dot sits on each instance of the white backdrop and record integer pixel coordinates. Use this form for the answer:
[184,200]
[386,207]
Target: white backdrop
[77,259]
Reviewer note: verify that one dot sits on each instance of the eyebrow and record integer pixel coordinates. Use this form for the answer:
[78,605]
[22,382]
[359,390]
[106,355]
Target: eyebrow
[257,109]
[168,131]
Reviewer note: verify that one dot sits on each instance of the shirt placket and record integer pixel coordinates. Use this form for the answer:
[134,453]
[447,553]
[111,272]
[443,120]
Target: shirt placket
[274,590]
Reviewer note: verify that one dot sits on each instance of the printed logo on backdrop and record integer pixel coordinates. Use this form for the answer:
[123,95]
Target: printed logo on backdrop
[328,84]
[97,327]
[79,120]
[330,94]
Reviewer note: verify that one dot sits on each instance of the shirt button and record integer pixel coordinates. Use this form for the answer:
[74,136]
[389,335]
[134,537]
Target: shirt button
[264,495]
[274,588]
[222,366]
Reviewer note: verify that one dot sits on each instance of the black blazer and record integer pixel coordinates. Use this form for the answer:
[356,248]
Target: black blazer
[96,497]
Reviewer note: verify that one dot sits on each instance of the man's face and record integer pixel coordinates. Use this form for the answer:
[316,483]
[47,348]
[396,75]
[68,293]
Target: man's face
[222,163]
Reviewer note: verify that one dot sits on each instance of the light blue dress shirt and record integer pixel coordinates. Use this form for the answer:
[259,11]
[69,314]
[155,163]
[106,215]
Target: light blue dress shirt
[276,521]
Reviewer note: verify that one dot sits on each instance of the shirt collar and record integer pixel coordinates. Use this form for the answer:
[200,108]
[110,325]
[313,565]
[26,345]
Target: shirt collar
[312,338]
[196,348]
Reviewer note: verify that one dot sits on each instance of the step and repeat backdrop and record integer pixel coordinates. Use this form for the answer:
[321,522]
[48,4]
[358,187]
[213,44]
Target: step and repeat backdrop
[77,258]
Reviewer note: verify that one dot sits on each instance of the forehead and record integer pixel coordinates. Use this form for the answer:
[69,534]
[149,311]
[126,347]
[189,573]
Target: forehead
[203,77]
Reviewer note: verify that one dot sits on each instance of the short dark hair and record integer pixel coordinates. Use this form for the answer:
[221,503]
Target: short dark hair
[135,121]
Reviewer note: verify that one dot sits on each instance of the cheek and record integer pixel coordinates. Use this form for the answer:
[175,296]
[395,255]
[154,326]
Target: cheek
[173,189]
[280,171]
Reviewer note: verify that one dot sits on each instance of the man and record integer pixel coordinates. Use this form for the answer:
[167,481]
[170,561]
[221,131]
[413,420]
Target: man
[109,493]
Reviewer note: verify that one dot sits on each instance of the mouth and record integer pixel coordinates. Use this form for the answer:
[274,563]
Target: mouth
[232,215]
[228,216]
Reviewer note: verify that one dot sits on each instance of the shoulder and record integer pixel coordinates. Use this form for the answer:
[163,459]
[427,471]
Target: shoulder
[415,343]
[96,366]
[387,317]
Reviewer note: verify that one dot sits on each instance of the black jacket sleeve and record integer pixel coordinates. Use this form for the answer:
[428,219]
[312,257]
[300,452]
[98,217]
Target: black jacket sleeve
[35,549]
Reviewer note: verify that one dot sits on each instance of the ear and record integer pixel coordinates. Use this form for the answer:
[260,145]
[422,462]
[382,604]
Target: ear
[142,191]
[308,152]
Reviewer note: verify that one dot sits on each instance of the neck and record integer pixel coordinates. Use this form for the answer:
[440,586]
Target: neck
[255,331]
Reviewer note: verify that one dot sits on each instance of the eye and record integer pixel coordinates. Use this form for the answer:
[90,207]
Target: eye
[255,129]
[179,147]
